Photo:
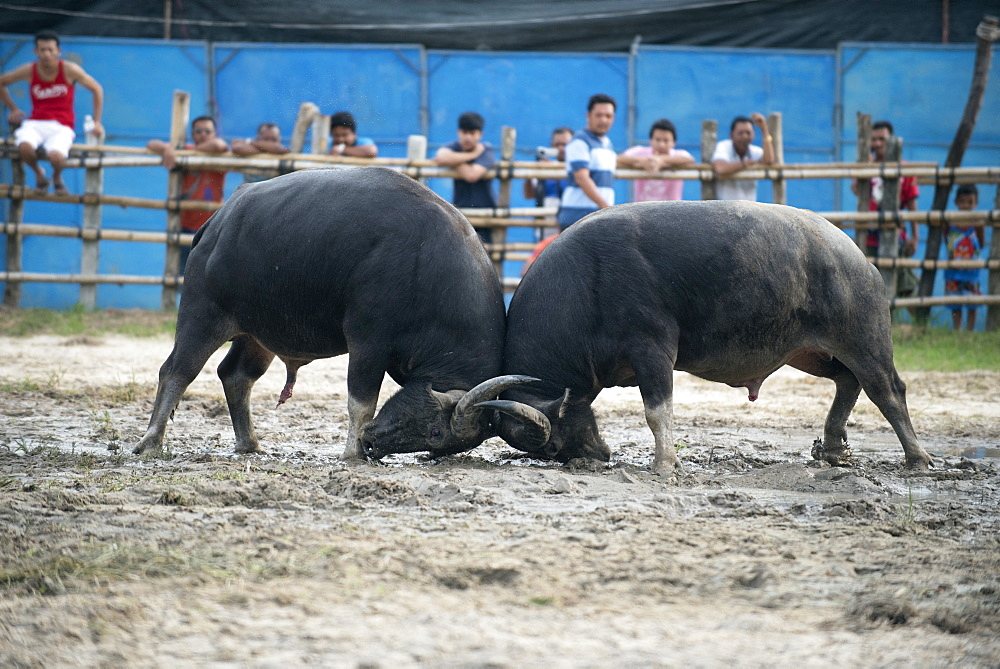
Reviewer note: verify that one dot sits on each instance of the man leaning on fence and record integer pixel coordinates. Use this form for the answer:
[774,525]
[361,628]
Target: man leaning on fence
[739,153]
[268,140]
[661,154]
[50,126]
[471,158]
[203,185]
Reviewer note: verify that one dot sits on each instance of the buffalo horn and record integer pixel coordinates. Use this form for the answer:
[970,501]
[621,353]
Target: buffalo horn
[533,429]
[464,422]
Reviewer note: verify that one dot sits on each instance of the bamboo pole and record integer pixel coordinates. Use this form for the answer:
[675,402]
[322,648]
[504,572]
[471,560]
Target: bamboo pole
[992,263]
[926,173]
[709,138]
[320,134]
[307,110]
[778,142]
[416,150]
[15,240]
[509,249]
[498,233]
[90,255]
[993,280]
[910,302]
[863,186]
[92,279]
[888,238]
[866,219]
[100,234]
[849,220]
[23,193]
[986,33]
[178,132]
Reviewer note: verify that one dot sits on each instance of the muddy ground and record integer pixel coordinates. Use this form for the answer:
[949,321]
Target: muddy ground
[755,556]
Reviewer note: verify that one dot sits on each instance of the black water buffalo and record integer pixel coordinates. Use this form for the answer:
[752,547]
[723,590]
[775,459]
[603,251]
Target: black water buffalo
[727,291]
[363,261]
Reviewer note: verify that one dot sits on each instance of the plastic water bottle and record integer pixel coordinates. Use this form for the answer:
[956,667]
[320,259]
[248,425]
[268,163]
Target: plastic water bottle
[88,125]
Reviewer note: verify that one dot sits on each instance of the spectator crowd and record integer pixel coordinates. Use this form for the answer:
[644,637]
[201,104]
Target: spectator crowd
[589,156]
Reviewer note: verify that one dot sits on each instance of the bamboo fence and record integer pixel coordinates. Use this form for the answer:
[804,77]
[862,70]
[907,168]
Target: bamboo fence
[94,158]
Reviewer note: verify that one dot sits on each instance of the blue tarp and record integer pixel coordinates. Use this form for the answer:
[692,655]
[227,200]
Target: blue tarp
[396,90]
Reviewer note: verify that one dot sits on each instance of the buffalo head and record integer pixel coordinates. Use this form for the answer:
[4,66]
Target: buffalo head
[419,418]
[560,429]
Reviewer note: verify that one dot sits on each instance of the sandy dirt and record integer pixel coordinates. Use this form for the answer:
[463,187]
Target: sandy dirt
[755,556]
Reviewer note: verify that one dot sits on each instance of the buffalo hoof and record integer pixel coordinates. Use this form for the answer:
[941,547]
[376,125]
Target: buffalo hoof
[837,457]
[919,464]
[666,470]
[353,454]
[249,449]
[148,447]
[586,465]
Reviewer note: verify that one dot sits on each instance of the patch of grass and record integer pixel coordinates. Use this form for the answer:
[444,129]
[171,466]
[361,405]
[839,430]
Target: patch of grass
[941,350]
[543,601]
[32,385]
[905,514]
[51,571]
[81,322]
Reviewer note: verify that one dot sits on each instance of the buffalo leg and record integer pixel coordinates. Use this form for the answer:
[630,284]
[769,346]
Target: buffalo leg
[655,377]
[362,397]
[660,418]
[834,448]
[246,362]
[888,392]
[181,367]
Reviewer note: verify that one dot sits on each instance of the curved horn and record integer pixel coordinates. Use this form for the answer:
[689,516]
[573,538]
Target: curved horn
[464,422]
[533,429]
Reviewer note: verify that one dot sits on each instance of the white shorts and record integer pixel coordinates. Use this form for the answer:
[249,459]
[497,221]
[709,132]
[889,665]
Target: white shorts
[50,135]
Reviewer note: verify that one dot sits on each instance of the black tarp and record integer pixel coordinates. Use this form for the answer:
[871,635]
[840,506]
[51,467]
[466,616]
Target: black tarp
[514,25]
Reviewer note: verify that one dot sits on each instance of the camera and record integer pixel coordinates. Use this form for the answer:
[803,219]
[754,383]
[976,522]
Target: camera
[546,152]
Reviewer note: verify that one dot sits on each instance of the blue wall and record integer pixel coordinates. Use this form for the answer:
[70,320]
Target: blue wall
[922,90]
[398,90]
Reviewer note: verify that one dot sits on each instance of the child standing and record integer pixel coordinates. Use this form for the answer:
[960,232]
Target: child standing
[964,243]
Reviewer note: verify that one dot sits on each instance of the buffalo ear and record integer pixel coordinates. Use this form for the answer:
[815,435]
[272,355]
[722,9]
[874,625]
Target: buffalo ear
[563,404]
[446,400]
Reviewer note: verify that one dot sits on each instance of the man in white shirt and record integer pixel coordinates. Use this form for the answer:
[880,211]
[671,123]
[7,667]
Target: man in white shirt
[738,153]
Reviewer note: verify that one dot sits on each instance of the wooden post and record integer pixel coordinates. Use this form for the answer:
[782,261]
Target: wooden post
[90,259]
[709,138]
[178,133]
[498,236]
[416,149]
[888,239]
[987,32]
[12,289]
[307,111]
[993,277]
[778,142]
[320,133]
[863,186]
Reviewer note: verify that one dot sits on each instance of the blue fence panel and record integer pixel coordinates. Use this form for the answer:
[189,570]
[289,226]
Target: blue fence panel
[533,92]
[922,89]
[138,101]
[379,85]
[689,85]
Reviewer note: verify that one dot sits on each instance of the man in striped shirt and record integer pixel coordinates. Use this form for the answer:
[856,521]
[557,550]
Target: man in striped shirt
[590,163]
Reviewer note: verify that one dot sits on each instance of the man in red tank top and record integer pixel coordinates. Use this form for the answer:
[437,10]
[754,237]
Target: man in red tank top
[51,123]
[204,185]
